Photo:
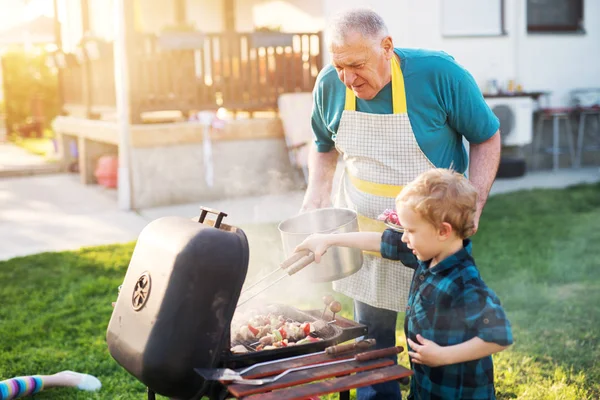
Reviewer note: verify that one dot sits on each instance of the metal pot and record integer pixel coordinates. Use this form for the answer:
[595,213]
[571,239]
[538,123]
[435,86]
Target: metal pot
[338,262]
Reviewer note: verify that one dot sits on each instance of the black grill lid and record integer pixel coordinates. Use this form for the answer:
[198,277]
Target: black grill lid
[177,301]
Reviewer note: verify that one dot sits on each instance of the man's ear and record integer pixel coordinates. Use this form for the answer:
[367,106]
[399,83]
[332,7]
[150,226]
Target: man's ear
[445,230]
[387,46]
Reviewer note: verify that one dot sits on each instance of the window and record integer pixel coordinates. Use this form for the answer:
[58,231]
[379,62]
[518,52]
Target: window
[461,18]
[555,16]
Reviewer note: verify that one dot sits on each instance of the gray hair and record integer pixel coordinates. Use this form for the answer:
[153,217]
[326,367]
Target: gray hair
[361,20]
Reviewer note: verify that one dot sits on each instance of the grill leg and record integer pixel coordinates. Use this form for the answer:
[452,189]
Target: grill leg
[151,394]
[345,395]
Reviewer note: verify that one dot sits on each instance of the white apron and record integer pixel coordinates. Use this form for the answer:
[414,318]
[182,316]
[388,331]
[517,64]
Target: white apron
[381,154]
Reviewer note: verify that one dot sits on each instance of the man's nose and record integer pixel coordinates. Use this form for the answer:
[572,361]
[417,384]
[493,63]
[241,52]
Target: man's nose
[349,77]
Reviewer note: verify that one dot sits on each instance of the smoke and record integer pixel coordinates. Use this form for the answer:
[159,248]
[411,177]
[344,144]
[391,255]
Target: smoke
[266,254]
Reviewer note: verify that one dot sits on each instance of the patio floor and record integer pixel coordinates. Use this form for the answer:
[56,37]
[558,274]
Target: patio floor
[55,212]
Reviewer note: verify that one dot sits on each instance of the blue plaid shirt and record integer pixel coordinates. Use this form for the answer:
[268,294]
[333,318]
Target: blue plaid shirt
[450,304]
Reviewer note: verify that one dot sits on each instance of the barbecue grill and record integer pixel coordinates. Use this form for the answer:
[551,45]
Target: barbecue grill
[178,299]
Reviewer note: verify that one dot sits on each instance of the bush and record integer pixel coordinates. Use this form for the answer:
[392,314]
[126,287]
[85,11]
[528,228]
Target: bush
[30,91]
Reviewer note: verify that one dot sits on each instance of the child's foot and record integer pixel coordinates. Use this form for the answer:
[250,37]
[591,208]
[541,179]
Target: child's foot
[80,381]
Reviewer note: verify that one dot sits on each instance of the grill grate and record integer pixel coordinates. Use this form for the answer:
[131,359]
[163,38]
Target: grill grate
[290,314]
[340,331]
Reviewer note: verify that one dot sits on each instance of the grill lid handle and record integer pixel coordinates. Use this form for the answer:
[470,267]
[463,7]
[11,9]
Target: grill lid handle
[206,210]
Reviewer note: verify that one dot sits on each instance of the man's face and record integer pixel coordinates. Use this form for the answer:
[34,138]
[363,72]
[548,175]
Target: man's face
[363,65]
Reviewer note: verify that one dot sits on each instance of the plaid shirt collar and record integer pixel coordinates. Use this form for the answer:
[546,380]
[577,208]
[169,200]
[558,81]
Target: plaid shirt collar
[451,261]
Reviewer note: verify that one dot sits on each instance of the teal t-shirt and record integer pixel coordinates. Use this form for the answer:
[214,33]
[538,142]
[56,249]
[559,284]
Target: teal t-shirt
[443,100]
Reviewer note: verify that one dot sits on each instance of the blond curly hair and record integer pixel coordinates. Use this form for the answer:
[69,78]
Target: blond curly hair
[442,195]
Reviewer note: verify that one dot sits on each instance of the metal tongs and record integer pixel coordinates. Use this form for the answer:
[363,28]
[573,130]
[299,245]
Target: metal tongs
[227,374]
[230,375]
[297,262]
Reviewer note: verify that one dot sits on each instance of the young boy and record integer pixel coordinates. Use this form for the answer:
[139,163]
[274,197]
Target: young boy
[454,322]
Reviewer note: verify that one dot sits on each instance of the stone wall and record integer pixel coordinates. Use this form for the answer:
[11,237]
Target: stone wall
[248,158]
[177,174]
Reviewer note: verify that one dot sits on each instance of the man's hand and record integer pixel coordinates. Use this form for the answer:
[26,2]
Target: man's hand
[313,204]
[321,168]
[426,352]
[483,166]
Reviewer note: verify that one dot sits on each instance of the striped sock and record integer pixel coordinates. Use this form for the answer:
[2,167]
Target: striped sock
[20,387]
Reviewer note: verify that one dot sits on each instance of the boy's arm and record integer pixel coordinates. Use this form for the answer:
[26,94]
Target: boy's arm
[319,243]
[429,353]
[470,350]
[367,241]
[389,244]
[393,248]
[480,311]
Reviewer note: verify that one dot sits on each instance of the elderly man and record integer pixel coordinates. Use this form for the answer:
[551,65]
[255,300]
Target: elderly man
[392,113]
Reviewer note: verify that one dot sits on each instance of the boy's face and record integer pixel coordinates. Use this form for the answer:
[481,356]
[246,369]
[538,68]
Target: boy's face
[420,236]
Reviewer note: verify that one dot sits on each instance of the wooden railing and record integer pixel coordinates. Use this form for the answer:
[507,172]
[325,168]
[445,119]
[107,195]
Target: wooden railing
[102,82]
[238,71]
[93,78]
[72,82]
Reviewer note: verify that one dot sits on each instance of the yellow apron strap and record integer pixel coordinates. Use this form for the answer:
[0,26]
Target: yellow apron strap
[376,189]
[398,92]
[366,224]
[350,101]
[370,225]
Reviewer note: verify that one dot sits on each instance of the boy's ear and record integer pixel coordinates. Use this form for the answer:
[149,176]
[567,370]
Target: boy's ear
[445,230]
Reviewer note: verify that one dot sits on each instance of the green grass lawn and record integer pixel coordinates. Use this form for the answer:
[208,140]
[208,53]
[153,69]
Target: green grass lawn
[539,250]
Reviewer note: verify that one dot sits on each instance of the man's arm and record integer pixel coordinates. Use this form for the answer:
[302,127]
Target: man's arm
[321,169]
[484,159]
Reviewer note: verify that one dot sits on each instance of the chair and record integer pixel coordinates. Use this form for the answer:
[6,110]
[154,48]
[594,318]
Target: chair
[295,110]
[555,115]
[584,113]
[587,106]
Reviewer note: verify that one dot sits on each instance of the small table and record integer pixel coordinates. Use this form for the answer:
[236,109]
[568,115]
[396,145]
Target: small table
[536,96]
[317,381]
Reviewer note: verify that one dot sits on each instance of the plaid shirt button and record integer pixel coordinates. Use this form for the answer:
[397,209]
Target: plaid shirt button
[486,321]
[421,278]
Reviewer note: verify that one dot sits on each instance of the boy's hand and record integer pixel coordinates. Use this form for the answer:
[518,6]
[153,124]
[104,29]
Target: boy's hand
[426,352]
[316,243]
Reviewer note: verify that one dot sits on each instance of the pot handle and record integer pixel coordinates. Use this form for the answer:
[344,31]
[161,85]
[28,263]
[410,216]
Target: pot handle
[301,263]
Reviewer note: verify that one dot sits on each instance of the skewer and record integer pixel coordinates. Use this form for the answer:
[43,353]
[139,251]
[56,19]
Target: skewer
[313,334]
[335,307]
[327,299]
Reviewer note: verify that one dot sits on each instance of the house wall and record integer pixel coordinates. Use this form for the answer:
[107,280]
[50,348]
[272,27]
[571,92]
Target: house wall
[206,15]
[290,15]
[552,62]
